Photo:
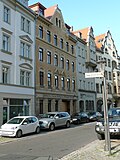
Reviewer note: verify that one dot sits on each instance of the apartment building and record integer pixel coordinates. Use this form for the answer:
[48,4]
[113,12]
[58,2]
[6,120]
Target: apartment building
[106,50]
[55,61]
[85,62]
[16,59]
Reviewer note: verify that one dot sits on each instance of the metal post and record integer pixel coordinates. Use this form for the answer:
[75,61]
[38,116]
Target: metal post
[106,121]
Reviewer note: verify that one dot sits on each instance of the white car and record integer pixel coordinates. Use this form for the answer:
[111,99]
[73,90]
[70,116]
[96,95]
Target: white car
[18,126]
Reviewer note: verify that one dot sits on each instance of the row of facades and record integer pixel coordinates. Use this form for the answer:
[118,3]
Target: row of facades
[43,62]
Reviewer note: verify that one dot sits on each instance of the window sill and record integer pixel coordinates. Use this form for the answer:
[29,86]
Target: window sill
[7,52]
[26,58]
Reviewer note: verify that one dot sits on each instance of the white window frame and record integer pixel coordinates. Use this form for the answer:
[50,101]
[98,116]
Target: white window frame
[6,15]
[6,42]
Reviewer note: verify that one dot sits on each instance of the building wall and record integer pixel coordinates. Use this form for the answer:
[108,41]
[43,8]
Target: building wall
[63,96]
[13,60]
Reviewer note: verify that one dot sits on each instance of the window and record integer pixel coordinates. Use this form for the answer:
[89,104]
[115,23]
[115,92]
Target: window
[97,88]
[41,78]
[41,107]
[56,21]
[56,105]
[67,46]
[73,67]
[110,78]
[28,26]
[56,60]
[25,50]
[28,51]
[6,42]
[25,78]
[22,74]
[49,57]
[22,23]
[59,23]
[48,36]
[63,83]
[5,75]
[62,62]
[61,43]
[49,105]
[41,32]
[56,81]
[25,25]
[73,85]
[6,15]
[109,65]
[49,80]
[68,84]
[67,64]
[40,54]
[55,40]
[72,49]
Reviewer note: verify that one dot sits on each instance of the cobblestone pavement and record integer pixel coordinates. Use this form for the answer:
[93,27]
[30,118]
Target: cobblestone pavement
[95,151]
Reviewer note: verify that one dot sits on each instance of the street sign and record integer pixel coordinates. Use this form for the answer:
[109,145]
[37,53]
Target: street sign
[94,74]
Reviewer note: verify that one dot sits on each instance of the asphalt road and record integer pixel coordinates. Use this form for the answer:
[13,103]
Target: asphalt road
[48,145]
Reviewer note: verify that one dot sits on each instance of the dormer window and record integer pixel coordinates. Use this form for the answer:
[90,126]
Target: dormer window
[41,12]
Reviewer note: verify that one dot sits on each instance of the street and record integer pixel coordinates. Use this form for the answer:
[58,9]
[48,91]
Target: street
[55,144]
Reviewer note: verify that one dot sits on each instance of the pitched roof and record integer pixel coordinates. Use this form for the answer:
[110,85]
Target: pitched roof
[49,12]
[98,40]
[83,31]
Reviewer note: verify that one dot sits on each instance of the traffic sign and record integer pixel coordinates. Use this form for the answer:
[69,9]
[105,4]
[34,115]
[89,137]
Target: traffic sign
[94,74]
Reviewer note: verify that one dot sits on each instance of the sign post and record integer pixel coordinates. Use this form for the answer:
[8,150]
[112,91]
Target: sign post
[106,121]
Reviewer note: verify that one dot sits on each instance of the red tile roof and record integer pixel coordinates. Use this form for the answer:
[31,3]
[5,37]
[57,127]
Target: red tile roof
[97,39]
[49,12]
[84,32]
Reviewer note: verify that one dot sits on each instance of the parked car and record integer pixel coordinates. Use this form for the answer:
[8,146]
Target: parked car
[114,124]
[94,116]
[51,120]
[80,117]
[18,126]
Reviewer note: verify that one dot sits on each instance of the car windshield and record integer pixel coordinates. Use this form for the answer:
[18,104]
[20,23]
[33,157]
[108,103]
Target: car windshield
[91,113]
[114,112]
[15,121]
[48,115]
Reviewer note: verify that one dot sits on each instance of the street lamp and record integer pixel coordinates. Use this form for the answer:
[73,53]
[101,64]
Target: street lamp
[106,121]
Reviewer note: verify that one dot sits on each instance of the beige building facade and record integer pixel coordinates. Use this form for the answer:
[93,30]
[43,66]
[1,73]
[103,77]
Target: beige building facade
[55,62]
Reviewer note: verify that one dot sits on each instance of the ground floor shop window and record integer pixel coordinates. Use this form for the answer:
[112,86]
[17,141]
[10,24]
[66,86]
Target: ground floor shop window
[15,107]
[81,106]
[41,107]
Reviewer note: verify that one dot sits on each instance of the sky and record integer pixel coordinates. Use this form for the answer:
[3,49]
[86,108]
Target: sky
[102,15]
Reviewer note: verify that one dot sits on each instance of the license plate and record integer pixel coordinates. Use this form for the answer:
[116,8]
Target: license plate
[113,130]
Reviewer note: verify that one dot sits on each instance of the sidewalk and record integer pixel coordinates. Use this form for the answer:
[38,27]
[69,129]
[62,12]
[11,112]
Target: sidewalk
[95,151]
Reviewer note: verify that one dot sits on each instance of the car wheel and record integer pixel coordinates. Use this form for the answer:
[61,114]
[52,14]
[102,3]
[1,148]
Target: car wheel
[19,134]
[100,136]
[67,124]
[51,127]
[37,130]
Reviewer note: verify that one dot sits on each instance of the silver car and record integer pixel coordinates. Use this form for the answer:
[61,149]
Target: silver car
[51,120]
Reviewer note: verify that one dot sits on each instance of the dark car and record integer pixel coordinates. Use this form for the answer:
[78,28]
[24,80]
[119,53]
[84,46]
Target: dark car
[80,117]
[114,124]
[94,116]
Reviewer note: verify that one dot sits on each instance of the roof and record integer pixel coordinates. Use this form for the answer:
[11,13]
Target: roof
[98,40]
[84,32]
[49,12]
